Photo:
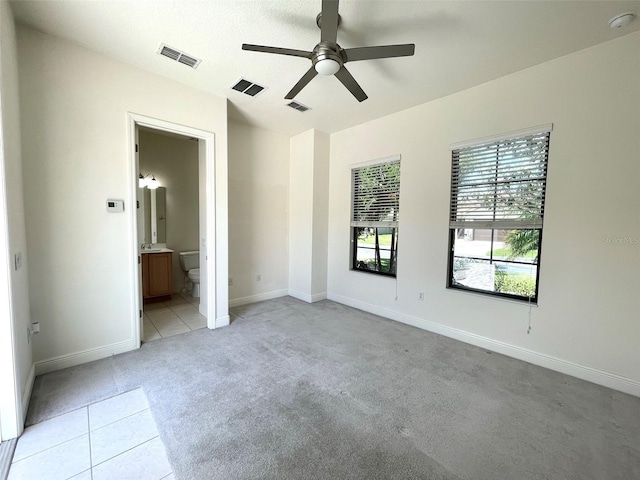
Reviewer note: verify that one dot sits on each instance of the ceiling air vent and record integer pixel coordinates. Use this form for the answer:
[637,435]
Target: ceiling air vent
[247,87]
[178,56]
[298,106]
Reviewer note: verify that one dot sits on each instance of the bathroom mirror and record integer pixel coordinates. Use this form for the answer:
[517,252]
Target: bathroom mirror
[155,215]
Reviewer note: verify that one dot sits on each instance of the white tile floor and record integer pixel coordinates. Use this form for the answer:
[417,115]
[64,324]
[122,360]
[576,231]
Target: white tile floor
[115,439]
[175,316]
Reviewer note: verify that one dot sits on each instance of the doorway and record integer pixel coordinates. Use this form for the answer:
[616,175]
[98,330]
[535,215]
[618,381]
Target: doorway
[168,217]
[213,303]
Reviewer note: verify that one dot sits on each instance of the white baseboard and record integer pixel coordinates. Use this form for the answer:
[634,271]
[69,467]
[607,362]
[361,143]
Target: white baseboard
[305,297]
[222,321]
[26,395]
[316,297]
[236,302]
[73,359]
[589,374]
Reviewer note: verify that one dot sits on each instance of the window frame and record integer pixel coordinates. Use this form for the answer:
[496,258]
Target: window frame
[454,225]
[354,225]
[354,254]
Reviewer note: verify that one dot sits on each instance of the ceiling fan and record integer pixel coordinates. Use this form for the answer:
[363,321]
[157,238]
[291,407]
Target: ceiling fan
[328,58]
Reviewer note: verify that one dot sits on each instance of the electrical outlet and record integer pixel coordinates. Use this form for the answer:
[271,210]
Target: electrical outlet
[258,277]
[230,281]
[421,296]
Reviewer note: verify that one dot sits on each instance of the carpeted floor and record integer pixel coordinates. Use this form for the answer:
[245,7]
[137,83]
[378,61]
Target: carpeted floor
[293,391]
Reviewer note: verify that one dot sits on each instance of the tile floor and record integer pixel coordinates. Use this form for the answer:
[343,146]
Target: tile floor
[115,439]
[175,316]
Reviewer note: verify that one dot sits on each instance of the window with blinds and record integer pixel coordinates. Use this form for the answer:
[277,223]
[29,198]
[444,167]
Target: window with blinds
[375,210]
[496,215]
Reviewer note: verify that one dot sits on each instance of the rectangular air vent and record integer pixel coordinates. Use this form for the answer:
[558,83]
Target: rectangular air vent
[247,87]
[298,106]
[178,56]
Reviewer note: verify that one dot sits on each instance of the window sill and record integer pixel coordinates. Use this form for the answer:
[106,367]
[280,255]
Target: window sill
[493,296]
[378,274]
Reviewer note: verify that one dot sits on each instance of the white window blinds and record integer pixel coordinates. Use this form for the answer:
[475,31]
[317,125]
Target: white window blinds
[376,195]
[501,184]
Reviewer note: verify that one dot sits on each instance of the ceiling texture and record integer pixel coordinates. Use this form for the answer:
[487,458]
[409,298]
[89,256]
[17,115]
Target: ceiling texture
[459,44]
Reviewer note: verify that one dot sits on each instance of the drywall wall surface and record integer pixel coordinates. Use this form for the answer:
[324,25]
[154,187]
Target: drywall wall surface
[15,314]
[320,213]
[301,162]
[587,316]
[173,161]
[258,213]
[76,153]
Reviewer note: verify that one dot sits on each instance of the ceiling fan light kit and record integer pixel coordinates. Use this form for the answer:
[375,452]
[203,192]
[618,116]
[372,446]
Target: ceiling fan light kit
[328,66]
[328,58]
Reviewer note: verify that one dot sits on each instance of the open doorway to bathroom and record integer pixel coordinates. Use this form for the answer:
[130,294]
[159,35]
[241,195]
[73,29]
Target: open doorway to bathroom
[168,226]
[212,226]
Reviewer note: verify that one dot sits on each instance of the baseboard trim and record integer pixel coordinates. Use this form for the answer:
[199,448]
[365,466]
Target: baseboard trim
[26,395]
[582,372]
[85,356]
[222,321]
[318,297]
[305,297]
[236,302]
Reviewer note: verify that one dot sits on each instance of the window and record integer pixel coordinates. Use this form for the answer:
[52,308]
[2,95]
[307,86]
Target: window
[374,217]
[497,208]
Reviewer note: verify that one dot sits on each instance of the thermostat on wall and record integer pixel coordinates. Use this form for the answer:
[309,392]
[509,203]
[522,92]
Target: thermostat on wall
[115,205]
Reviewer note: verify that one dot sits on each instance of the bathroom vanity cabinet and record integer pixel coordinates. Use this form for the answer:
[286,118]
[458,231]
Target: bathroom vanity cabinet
[157,275]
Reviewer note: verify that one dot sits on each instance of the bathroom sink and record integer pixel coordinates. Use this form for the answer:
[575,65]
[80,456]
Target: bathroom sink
[155,250]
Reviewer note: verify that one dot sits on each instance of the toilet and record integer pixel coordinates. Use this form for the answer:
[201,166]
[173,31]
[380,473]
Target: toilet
[190,265]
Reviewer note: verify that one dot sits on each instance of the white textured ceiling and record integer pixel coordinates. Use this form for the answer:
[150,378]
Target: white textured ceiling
[459,44]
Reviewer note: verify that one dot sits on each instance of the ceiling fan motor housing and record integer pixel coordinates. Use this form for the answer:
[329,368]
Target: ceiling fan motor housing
[327,51]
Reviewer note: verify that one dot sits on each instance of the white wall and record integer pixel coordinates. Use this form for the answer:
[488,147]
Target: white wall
[76,155]
[174,162]
[309,196]
[15,316]
[321,146]
[586,323]
[258,213]
[301,214]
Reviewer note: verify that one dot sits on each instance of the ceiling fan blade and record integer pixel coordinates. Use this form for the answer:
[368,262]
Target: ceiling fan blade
[348,81]
[329,22]
[382,51]
[306,78]
[277,50]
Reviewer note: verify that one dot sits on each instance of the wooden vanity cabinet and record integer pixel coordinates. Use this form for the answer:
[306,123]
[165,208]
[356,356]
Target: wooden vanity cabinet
[157,271]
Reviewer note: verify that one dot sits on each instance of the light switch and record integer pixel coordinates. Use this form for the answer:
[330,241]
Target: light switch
[18,260]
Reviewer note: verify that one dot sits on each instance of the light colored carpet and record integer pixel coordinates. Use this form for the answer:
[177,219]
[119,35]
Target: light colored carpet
[323,391]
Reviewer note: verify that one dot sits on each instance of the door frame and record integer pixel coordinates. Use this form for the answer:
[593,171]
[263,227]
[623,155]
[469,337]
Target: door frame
[216,247]
[11,405]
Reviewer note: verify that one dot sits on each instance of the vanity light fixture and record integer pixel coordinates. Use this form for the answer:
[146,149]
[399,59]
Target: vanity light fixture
[144,182]
[153,183]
